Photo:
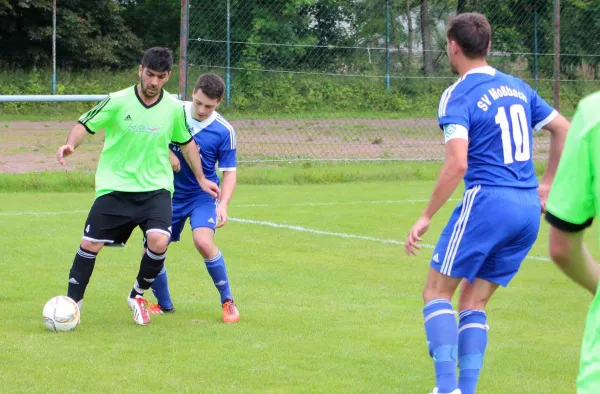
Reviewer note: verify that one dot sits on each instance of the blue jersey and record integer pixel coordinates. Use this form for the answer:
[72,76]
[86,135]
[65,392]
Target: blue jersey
[217,144]
[498,114]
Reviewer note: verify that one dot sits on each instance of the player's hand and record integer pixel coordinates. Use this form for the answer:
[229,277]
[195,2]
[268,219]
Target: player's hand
[175,163]
[222,216]
[64,151]
[414,235]
[543,191]
[210,187]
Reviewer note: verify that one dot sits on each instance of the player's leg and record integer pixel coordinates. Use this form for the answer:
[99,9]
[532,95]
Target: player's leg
[459,253]
[513,226]
[203,220]
[472,331]
[160,286]
[154,218]
[107,223]
[440,327]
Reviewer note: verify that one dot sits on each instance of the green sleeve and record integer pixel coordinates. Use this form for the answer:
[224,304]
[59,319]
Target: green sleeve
[98,117]
[181,132]
[570,205]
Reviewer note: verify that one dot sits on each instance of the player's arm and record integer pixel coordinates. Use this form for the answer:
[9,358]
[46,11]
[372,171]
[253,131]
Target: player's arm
[227,158]
[572,257]
[75,138]
[452,173]
[192,158]
[558,128]
[571,208]
[93,120]
[227,187]
[454,116]
[181,136]
[175,163]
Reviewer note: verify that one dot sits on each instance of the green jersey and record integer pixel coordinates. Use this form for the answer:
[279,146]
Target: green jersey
[572,204]
[135,157]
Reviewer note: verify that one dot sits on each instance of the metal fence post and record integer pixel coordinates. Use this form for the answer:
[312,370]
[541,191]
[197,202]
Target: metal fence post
[556,54]
[228,76]
[387,45]
[535,47]
[183,48]
[53,46]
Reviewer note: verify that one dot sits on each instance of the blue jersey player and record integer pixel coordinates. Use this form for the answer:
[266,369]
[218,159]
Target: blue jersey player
[488,118]
[217,143]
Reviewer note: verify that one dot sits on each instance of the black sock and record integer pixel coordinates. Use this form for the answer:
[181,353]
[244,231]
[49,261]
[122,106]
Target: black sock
[80,273]
[151,265]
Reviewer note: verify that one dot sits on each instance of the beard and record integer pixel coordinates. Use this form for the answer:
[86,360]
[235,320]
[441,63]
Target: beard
[146,89]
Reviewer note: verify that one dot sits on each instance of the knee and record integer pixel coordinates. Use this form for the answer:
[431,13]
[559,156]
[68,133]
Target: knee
[157,242]
[434,290]
[205,246]
[93,247]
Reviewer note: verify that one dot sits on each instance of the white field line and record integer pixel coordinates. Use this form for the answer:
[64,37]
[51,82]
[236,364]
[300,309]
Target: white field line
[343,235]
[285,226]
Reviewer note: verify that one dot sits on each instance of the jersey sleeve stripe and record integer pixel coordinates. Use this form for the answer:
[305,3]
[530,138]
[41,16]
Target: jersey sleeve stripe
[540,125]
[568,227]
[446,98]
[232,137]
[222,169]
[86,128]
[442,100]
[95,111]
[183,143]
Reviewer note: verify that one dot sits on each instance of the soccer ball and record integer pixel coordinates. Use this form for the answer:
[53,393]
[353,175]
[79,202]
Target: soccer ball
[61,313]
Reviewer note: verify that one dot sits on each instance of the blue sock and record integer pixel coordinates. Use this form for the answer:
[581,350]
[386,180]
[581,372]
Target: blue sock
[218,273]
[442,339]
[160,289]
[472,341]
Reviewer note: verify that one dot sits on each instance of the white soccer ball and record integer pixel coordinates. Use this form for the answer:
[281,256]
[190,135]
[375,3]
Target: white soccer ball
[61,313]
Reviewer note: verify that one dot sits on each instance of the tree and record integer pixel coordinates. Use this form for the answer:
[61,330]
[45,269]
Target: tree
[426,38]
[89,34]
[155,22]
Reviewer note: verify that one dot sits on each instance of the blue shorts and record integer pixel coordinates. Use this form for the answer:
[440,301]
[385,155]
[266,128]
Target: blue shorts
[201,211]
[489,234]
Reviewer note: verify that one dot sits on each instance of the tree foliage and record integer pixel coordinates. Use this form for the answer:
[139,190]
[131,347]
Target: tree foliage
[329,36]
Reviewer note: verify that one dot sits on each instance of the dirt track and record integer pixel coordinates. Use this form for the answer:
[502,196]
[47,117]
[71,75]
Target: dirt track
[31,146]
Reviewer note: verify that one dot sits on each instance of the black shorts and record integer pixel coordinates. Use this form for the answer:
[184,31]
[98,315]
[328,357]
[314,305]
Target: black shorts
[114,216]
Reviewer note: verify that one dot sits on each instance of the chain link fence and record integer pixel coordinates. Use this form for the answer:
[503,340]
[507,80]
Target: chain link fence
[327,79]
[356,79]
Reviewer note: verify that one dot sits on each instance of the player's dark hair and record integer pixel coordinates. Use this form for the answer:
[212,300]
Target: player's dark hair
[158,59]
[211,85]
[472,32]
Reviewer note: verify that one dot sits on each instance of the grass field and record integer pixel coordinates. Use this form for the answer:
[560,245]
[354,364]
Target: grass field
[328,299]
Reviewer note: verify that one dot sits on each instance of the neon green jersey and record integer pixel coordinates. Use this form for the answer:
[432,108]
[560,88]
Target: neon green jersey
[572,204]
[135,157]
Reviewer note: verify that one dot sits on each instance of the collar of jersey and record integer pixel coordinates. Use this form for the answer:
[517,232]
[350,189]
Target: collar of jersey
[483,70]
[198,126]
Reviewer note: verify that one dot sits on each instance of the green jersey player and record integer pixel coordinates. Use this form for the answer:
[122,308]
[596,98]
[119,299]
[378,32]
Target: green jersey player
[134,179]
[573,203]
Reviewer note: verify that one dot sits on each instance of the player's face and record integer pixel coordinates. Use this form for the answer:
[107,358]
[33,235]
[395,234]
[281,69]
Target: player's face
[203,106]
[152,81]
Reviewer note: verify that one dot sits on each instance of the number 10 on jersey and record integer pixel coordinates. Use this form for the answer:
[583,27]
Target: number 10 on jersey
[520,133]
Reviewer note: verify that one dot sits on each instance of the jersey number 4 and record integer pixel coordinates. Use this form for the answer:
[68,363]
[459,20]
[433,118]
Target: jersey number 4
[520,133]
